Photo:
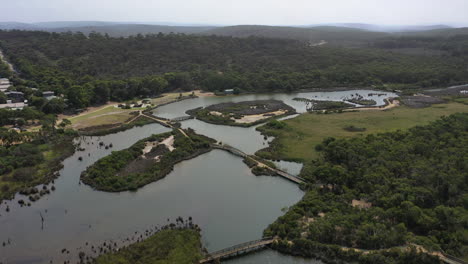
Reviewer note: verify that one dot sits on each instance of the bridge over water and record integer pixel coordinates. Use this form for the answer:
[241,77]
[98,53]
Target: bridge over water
[242,154]
[238,249]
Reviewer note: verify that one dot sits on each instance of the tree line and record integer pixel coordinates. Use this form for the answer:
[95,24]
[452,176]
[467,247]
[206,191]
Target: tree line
[412,184]
[97,68]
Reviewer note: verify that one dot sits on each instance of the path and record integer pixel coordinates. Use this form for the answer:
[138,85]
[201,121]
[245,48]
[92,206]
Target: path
[237,249]
[10,66]
[242,154]
[166,123]
[391,104]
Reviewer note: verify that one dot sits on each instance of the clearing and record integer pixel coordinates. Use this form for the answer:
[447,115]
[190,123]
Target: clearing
[297,140]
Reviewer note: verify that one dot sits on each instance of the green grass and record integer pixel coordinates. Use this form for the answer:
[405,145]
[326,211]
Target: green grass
[165,247]
[104,116]
[298,139]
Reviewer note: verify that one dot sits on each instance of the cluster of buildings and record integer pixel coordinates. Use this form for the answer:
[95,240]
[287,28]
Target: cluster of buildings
[15,100]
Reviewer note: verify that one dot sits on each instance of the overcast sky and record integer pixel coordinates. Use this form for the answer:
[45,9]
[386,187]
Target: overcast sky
[229,12]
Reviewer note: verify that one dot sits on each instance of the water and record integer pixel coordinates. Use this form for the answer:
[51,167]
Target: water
[179,108]
[270,257]
[216,189]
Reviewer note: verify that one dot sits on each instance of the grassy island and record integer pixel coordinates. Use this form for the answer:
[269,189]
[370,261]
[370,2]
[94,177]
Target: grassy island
[146,161]
[243,113]
[169,246]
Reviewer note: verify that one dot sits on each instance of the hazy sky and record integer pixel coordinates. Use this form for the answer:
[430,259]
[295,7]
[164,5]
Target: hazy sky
[272,12]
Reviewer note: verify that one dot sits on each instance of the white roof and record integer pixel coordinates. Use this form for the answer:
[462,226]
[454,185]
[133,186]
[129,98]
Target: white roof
[13,105]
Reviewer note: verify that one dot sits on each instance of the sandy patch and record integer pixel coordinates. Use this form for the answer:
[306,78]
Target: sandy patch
[247,119]
[216,113]
[361,204]
[169,142]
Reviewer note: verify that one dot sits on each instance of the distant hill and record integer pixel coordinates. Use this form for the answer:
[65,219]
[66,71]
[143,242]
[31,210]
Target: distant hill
[17,25]
[330,34]
[348,34]
[63,24]
[125,30]
[447,32]
[389,28]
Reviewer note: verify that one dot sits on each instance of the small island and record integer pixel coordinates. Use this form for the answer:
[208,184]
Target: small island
[243,114]
[360,100]
[172,245]
[146,161]
[313,105]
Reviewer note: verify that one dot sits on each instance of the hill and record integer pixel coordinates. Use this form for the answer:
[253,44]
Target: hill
[330,34]
[125,30]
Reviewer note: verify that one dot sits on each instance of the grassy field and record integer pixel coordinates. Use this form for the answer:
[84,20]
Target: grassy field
[104,116]
[165,247]
[297,140]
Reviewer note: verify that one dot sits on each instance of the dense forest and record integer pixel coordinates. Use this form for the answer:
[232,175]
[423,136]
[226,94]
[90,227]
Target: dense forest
[383,191]
[97,68]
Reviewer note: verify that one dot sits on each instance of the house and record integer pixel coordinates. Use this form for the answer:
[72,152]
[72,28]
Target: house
[49,95]
[13,106]
[15,97]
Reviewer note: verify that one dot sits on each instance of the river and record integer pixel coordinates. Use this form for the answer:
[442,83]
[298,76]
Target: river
[216,189]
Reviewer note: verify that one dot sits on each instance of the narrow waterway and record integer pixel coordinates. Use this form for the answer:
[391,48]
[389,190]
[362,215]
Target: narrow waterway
[216,189]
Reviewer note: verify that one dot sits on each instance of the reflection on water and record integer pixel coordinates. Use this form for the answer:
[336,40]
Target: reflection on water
[269,256]
[178,109]
[217,189]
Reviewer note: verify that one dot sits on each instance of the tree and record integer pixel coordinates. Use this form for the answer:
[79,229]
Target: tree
[79,96]
[54,106]
[3,98]
[65,122]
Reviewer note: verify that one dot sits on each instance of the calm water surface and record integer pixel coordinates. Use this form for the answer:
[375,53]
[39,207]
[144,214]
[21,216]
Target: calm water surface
[230,204]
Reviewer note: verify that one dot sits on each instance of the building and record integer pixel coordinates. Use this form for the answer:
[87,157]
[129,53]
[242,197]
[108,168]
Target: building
[13,106]
[15,97]
[49,95]
[229,91]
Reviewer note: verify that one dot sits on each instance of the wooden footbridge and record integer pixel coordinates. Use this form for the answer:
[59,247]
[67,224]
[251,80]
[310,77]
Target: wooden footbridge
[242,154]
[181,118]
[237,250]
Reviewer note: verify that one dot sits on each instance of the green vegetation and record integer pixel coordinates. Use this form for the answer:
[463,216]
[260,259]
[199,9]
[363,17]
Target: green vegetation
[29,159]
[97,68]
[243,113]
[296,138]
[165,247]
[114,128]
[382,191]
[361,101]
[128,170]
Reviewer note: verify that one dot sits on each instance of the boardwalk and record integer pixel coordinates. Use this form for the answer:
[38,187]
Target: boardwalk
[164,122]
[181,118]
[242,154]
[237,249]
